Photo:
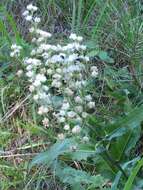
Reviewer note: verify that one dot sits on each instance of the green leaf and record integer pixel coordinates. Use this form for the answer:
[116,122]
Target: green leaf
[125,132]
[57,101]
[91,45]
[129,183]
[130,121]
[52,154]
[83,152]
[103,55]
[119,174]
[93,53]
[117,133]
[73,176]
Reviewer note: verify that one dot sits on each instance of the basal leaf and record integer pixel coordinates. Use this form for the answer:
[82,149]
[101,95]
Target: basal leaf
[83,152]
[52,154]
[73,176]
[130,121]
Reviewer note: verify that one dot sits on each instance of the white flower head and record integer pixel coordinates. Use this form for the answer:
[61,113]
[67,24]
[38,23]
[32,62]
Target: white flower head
[85,139]
[76,129]
[84,115]
[42,110]
[72,57]
[31,88]
[36,97]
[34,40]
[29,18]
[41,77]
[62,112]
[61,136]
[56,58]
[61,119]
[86,58]
[56,84]
[45,122]
[94,71]
[57,76]
[12,54]
[43,34]
[32,29]
[15,50]
[37,19]
[30,7]
[82,47]
[78,100]
[91,105]
[88,98]
[19,73]
[30,74]
[37,83]
[45,88]
[29,67]
[69,92]
[71,114]
[59,70]
[94,74]
[65,106]
[73,148]
[67,127]
[49,71]
[79,109]
[79,38]
[25,13]
[43,71]
[73,36]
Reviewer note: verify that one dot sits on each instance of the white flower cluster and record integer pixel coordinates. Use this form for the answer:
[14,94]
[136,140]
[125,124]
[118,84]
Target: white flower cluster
[15,50]
[94,71]
[58,76]
[29,14]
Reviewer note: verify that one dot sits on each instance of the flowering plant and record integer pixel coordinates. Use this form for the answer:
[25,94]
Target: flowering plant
[54,71]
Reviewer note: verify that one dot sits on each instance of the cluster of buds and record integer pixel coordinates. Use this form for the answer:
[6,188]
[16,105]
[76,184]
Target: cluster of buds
[55,71]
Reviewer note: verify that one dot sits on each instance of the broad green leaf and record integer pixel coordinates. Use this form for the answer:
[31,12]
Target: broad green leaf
[117,133]
[91,45]
[93,53]
[125,132]
[83,152]
[73,176]
[52,154]
[105,57]
[129,122]
[57,101]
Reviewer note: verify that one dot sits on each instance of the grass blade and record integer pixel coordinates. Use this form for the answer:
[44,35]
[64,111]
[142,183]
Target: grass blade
[99,21]
[80,5]
[88,15]
[73,15]
[129,183]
